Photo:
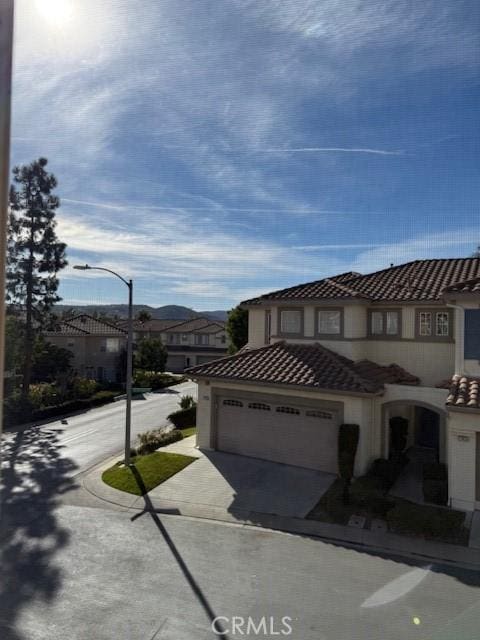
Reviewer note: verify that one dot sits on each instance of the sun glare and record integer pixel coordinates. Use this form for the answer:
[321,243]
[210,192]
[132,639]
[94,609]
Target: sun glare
[56,12]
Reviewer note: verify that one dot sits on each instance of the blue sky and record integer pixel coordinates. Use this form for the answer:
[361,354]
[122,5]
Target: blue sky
[213,150]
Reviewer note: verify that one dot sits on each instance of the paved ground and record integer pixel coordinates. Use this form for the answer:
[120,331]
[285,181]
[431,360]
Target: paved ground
[92,436]
[231,482]
[85,573]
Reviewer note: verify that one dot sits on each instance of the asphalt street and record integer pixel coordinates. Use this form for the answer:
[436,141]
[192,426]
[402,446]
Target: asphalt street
[74,570]
[88,438]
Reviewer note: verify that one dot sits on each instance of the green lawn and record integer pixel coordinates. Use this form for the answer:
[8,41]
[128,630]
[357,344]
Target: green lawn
[146,473]
[188,431]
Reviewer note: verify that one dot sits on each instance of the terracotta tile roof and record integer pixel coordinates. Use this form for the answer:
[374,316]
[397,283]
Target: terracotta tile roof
[204,325]
[391,374]
[463,392]
[468,286]
[301,365]
[420,280]
[150,325]
[86,325]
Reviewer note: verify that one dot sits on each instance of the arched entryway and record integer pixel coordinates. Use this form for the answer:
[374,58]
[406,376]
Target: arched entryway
[426,426]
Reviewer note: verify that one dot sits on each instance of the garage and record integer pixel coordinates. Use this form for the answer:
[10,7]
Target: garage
[278,430]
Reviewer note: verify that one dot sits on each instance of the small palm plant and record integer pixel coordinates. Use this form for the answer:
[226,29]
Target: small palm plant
[186,402]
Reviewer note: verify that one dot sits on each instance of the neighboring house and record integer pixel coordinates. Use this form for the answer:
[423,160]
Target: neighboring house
[404,341]
[188,342]
[96,346]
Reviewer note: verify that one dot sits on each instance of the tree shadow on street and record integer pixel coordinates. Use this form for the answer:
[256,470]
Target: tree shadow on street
[33,476]
[196,589]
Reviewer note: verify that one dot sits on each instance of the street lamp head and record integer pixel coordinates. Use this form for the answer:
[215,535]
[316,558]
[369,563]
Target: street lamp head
[81,267]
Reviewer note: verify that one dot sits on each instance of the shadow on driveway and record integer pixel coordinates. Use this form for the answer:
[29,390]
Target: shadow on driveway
[33,475]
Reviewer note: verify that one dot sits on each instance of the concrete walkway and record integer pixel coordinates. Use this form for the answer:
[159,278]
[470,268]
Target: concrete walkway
[200,502]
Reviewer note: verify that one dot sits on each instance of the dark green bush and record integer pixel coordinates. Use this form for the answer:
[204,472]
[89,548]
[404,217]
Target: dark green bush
[387,470]
[186,402]
[398,436]
[150,441]
[348,436]
[435,491]
[184,418]
[435,471]
[430,522]
[103,397]
[155,381]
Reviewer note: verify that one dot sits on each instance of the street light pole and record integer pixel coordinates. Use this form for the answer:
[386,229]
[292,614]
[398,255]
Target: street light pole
[128,381]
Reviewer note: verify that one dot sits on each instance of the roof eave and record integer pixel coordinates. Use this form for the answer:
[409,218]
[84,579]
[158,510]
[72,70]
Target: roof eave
[282,385]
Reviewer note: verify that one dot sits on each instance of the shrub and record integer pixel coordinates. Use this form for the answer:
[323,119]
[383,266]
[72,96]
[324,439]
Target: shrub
[103,397]
[155,381]
[435,471]
[348,436]
[387,470]
[184,418]
[186,402]
[152,440]
[44,395]
[430,522]
[367,493]
[398,436]
[83,387]
[435,491]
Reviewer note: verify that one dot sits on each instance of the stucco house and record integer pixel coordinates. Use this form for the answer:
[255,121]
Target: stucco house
[404,341]
[96,345]
[188,342]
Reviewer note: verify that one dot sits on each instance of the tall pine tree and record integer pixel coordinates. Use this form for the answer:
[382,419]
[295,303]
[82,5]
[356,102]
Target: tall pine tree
[34,254]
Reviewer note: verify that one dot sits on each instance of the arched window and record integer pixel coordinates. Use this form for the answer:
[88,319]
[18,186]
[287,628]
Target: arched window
[290,410]
[324,415]
[232,403]
[259,405]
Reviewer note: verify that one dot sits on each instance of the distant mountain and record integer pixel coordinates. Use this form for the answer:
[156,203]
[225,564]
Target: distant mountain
[167,312]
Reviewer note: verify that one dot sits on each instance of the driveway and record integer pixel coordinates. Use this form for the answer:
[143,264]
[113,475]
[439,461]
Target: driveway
[238,484]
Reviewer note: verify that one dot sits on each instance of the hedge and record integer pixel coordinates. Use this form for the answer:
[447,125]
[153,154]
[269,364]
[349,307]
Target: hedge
[430,522]
[183,418]
[387,470]
[150,441]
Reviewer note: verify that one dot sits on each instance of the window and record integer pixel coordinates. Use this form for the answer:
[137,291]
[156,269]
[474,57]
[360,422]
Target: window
[392,323]
[268,326]
[441,324]
[324,415]
[434,324]
[259,405]
[425,323]
[385,323]
[113,345]
[329,321]
[290,410]
[472,334]
[173,338]
[233,403]
[376,323]
[291,321]
[201,338]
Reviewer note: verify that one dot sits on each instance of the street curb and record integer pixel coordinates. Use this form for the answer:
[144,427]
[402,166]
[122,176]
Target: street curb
[361,539]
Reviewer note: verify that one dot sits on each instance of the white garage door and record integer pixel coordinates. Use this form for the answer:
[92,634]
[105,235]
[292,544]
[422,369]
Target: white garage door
[280,431]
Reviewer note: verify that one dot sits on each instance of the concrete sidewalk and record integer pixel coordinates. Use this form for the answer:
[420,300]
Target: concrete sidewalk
[374,541]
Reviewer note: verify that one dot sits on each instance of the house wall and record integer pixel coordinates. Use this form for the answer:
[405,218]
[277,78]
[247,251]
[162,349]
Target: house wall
[356,410]
[432,361]
[463,463]
[256,327]
[87,352]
